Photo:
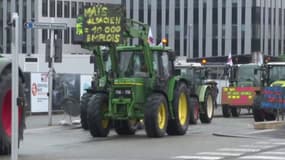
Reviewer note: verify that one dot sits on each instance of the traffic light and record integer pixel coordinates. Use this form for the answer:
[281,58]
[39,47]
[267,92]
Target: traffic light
[48,50]
[58,50]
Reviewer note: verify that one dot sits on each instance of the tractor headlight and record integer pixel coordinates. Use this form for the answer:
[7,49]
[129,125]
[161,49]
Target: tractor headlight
[128,92]
[118,92]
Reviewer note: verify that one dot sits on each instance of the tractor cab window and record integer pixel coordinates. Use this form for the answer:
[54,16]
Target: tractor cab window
[132,64]
[277,73]
[161,64]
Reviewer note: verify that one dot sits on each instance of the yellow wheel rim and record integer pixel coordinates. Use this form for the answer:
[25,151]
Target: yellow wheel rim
[105,122]
[182,109]
[161,116]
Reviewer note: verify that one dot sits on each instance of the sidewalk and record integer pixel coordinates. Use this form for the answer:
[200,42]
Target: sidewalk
[41,121]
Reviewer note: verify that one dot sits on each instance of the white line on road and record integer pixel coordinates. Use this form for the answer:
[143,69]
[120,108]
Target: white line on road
[260,146]
[263,157]
[274,153]
[220,154]
[198,157]
[239,149]
[261,131]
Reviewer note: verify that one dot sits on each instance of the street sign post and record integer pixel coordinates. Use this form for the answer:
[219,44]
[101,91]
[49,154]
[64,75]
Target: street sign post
[44,25]
[15,86]
[51,57]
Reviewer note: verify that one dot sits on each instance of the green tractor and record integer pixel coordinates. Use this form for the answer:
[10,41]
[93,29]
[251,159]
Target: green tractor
[141,84]
[143,87]
[273,75]
[101,67]
[6,106]
[202,94]
[244,82]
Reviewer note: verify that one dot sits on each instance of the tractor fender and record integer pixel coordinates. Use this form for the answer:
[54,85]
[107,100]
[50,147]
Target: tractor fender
[201,92]
[6,63]
[171,86]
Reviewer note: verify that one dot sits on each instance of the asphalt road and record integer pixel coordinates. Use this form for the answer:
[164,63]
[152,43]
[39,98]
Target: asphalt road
[224,138]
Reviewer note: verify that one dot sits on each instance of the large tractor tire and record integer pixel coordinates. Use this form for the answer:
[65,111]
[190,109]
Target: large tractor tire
[194,110]
[208,107]
[235,111]
[180,123]
[156,115]
[83,110]
[270,115]
[226,111]
[125,127]
[258,112]
[6,111]
[99,126]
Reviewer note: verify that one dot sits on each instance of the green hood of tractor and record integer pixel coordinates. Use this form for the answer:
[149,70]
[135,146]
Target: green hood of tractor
[279,83]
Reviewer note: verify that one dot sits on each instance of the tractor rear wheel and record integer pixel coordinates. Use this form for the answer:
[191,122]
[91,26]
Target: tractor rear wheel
[125,127]
[156,115]
[235,111]
[226,111]
[99,125]
[6,111]
[194,110]
[258,113]
[180,123]
[208,108]
[83,110]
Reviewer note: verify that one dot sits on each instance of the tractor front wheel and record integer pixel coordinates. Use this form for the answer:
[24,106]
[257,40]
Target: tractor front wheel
[226,111]
[83,110]
[156,115]
[236,111]
[179,124]
[194,110]
[6,111]
[99,125]
[208,108]
[258,112]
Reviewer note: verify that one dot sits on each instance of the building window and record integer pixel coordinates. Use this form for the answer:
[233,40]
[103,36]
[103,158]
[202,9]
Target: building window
[141,11]
[80,8]
[52,8]
[66,9]
[87,4]
[58,34]
[66,36]
[59,8]
[167,13]
[177,12]
[44,8]
[73,30]
[73,9]
[44,35]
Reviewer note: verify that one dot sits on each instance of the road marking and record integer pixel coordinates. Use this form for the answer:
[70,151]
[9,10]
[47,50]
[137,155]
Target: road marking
[220,154]
[198,157]
[262,142]
[260,146]
[274,153]
[279,143]
[262,131]
[239,149]
[263,157]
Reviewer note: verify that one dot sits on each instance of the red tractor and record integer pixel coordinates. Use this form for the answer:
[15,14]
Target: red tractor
[6,105]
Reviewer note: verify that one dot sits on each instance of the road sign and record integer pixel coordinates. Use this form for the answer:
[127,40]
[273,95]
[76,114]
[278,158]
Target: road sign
[44,25]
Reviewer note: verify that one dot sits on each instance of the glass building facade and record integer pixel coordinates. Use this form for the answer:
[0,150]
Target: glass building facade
[194,28]
[206,28]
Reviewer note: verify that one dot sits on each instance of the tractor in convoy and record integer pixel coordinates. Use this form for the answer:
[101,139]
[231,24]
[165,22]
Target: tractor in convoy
[202,93]
[270,100]
[6,105]
[101,61]
[141,84]
[244,82]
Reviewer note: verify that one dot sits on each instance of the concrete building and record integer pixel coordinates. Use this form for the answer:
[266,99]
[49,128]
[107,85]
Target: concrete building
[197,28]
